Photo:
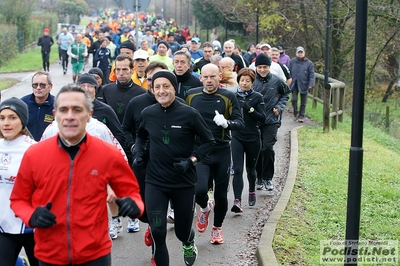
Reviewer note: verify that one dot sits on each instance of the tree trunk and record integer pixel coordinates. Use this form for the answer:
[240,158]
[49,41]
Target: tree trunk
[389,90]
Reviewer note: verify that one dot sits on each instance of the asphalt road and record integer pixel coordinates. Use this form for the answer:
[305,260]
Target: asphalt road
[129,248]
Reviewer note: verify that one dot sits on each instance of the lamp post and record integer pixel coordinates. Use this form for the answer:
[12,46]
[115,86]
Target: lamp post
[327,39]
[257,28]
[356,150]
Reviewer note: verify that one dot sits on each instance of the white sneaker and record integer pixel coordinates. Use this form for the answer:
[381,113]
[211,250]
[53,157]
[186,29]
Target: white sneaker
[170,216]
[133,226]
[115,227]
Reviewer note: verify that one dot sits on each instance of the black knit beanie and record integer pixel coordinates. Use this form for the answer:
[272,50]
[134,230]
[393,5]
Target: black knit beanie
[18,106]
[263,59]
[87,78]
[163,42]
[96,71]
[168,75]
[129,45]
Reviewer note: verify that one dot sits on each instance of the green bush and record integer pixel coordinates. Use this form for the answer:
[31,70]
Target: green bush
[16,40]
[35,28]
[9,43]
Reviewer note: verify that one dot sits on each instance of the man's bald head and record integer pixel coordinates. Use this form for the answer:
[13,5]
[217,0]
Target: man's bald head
[210,76]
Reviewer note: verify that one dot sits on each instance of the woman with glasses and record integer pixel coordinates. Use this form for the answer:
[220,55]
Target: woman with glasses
[14,141]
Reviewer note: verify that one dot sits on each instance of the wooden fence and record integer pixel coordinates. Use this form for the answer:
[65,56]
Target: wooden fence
[331,96]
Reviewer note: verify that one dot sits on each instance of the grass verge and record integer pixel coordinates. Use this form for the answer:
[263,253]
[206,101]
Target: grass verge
[5,84]
[318,204]
[30,60]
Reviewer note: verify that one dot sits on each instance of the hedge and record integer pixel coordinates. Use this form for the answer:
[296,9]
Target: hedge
[9,43]
[16,40]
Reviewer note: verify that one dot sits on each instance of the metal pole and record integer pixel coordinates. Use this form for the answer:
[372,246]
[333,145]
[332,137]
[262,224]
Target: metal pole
[356,150]
[137,23]
[327,40]
[327,92]
[257,28]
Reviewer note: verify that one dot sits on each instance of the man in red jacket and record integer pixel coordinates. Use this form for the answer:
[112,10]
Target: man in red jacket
[61,183]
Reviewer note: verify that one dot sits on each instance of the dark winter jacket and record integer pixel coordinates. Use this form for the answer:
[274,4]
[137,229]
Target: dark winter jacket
[46,42]
[225,103]
[172,132]
[105,114]
[303,75]
[275,93]
[186,82]
[118,95]
[251,131]
[40,116]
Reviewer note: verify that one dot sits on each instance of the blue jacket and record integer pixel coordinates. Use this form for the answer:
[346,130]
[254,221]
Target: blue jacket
[40,116]
[102,58]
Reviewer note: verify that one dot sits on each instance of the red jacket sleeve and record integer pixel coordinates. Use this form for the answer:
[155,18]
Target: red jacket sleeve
[22,192]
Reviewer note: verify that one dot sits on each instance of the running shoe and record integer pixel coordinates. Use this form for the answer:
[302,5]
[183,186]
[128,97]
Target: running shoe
[22,261]
[216,235]
[252,198]
[202,219]
[25,261]
[259,184]
[189,254]
[148,240]
[170,216]
[237,206]
[115,227]
[133,226]
[268,185]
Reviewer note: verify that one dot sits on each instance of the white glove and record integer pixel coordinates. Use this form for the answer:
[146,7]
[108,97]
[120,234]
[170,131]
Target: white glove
[220,120]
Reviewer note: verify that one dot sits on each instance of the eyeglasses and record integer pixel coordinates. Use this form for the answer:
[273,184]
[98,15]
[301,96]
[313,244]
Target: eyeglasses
[41,85]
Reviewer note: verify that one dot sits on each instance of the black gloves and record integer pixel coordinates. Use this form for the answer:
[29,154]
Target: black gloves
[244,105]
[42,217]
[182,164]
[127,207]
[138,162]
[139,154]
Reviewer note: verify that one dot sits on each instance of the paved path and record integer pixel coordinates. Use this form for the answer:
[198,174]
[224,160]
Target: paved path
[129,249]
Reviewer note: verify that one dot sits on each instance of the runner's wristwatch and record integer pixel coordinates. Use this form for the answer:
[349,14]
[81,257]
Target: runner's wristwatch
[194,160]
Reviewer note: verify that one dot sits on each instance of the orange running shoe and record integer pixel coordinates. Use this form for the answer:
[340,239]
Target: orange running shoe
[202,219]
[216,235]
